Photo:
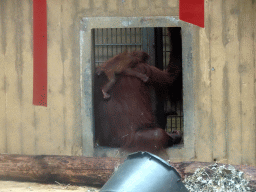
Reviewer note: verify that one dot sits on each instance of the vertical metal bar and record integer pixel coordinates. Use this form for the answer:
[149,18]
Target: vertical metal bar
[116,41]
[151,45]
[164,46]
[107,42]
[98,46]
[165,49]
[98,43]
[144,39]
[140,39]
[94,31]
[125,34]
[102,46]
[119,40]
[112,41]
[121,33]
[130,37]
[135,38]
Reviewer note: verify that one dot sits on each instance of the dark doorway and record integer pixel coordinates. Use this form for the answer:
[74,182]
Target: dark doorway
[162,44]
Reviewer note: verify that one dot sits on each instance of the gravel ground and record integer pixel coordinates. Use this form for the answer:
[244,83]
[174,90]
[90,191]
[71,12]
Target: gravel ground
[29,186]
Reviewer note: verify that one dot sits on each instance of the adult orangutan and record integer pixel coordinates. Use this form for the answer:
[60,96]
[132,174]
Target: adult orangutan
[126,119]
[122,63]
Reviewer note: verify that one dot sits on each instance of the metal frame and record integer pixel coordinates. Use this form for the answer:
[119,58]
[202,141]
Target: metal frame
[115,44]
[190,56]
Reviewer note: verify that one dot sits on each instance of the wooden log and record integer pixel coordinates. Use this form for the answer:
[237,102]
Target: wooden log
[84,170]
[63,169]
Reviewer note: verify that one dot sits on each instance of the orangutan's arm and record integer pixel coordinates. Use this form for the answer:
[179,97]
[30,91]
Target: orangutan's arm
[158,77]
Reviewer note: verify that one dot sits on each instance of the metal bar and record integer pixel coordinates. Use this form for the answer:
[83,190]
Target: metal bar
[151,45]
[112,41]
[102,53]
[165,64]
[140,39]
[144,39]
[130,35]
[116,40]
[107,42]
[98,41]
[121,33]
[98,49]
[125,34]
[135,35]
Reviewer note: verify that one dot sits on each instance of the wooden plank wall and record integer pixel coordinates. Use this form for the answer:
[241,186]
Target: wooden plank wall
[224,77]
[28,129]
[56,129]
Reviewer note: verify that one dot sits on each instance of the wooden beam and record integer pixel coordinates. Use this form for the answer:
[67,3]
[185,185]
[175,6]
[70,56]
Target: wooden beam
[84,170]
[63,169]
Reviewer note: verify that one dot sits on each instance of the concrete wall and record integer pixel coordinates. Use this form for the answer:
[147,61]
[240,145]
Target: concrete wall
[224,80]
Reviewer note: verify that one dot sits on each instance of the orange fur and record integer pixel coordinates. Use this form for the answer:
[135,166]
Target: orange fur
[122,63]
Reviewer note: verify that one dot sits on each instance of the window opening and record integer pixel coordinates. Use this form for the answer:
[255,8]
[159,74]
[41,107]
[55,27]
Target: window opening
[109,42]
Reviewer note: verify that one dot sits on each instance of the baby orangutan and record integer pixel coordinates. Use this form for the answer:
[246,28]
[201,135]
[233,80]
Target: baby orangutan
[122,64]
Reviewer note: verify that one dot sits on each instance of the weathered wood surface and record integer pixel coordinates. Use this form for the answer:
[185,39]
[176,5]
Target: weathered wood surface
[84,170]
[63,169]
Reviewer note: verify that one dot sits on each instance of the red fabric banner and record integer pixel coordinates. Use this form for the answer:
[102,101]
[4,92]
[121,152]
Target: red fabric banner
[40,52]
[192,11]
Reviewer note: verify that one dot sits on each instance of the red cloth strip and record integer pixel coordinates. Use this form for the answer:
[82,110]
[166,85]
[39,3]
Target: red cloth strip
[192,11]
[40,52]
